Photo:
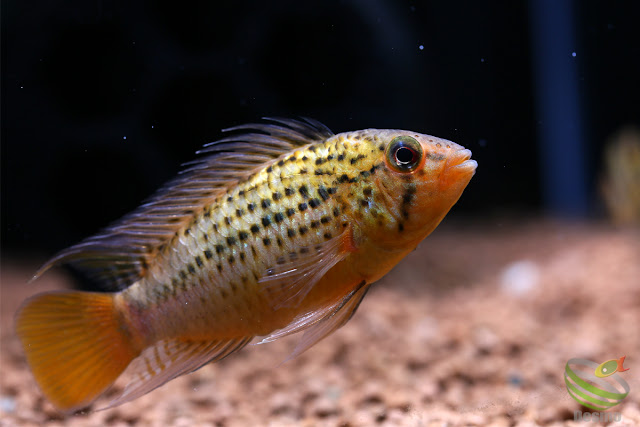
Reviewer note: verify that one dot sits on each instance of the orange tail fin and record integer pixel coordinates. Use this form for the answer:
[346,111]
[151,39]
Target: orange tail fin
[76,344]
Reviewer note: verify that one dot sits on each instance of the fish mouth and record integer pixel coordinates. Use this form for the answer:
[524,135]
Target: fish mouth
[461,161]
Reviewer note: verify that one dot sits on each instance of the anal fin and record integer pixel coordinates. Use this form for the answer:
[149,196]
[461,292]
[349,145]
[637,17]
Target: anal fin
[168,359]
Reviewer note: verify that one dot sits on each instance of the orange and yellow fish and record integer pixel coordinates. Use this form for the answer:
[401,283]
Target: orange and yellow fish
[280,228]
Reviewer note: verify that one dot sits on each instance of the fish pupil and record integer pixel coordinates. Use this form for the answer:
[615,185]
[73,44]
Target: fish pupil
[405,155]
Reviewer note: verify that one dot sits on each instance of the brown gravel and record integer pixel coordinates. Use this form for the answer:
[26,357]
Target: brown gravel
[439,341]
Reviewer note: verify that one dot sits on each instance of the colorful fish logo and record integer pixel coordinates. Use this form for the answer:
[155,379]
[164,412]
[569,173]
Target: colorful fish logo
[610,367]
[599,386]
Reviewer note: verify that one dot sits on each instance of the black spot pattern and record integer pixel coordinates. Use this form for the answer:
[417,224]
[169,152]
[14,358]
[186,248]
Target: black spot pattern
[304,192]
[322,192]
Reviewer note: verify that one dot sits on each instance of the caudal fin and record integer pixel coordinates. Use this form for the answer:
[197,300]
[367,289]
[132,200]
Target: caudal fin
[76,345]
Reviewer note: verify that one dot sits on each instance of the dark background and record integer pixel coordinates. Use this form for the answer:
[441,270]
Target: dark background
[102,101]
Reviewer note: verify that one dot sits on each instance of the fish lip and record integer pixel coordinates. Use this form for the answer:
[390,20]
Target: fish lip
[461,161]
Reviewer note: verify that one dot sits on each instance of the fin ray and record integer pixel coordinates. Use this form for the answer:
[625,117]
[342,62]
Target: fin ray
[320,323]
[300,323]
[331,322]
[75,345]
[291,279]
[168,359]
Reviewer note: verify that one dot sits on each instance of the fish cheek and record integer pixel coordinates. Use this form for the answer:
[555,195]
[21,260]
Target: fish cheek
[390,183]
[429,201]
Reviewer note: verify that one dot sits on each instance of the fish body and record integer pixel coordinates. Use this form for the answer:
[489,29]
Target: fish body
[279,229]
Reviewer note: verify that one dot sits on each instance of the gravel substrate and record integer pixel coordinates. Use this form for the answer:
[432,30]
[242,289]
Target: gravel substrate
[474,328]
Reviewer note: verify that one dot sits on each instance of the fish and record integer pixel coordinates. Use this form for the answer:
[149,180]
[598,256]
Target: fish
[610,367]
[280,227]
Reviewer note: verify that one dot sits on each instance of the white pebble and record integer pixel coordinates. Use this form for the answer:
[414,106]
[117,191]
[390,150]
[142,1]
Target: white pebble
[519,278]
[7,404]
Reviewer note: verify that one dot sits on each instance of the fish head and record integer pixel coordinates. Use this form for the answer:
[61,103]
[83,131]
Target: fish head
[418,179]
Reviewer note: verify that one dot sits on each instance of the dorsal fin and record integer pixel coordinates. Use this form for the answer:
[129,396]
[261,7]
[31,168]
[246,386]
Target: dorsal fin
[120,254]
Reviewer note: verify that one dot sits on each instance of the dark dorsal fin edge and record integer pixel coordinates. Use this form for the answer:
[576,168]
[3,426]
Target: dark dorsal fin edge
[120,254]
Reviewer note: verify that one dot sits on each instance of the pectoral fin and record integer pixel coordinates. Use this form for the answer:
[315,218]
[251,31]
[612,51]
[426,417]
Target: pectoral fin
[293,276]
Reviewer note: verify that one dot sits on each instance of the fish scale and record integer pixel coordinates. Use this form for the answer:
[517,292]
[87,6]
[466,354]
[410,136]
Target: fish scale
[278,228]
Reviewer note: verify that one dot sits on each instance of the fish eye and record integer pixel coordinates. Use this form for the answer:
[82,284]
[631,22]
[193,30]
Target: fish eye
[404,154]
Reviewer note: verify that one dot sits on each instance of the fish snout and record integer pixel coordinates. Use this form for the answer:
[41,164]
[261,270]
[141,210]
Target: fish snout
[458,169]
